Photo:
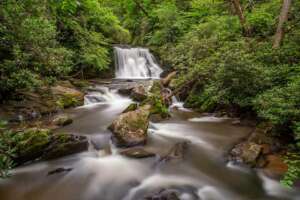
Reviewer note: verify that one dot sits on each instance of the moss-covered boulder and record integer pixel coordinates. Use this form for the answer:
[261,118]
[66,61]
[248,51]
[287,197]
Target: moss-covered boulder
[130,129]
[67,96]
[41,144]
[63,145]
[31,144]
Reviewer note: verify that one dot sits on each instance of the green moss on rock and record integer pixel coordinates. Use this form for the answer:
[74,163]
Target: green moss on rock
[31,143]
[67,101]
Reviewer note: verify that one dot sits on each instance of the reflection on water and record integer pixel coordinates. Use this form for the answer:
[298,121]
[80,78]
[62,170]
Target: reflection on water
[98,175]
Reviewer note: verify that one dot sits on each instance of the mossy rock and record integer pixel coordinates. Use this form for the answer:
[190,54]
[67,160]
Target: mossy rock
[130,129]
[41,144]
[65,144]
[131,107]
[31,144]
[67,101]
[63,120]
[139,93]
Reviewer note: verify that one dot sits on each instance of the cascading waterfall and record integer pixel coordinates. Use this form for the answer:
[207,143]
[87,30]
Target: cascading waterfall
[135,63]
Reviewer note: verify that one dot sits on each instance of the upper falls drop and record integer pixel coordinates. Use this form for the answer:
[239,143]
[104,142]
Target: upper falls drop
[135,63]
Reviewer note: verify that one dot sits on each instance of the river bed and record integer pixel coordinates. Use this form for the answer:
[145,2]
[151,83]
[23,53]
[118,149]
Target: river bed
[103,174]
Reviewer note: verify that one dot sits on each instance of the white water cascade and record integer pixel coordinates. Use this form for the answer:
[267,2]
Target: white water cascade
[135,63]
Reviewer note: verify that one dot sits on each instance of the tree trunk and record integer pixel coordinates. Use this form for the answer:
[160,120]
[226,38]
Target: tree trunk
[240,13]
[282,19]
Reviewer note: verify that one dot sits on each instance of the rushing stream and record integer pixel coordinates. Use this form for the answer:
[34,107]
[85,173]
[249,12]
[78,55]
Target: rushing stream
[103,174]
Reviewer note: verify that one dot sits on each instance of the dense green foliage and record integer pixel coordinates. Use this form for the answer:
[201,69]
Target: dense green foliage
[7,152]
[45,40]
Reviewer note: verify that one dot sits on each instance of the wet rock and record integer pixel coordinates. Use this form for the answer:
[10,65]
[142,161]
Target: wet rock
[44,100]
[163,195]
[156,118]
[130,129]
[125,91]
[247,152]
[251,153]
[63,145]
[59,170]
[236,122]
[31,144]
[131,107]
[42,144]
[62,120]
[68,90]
[67,96]
[137,152]
[262,136]
[177,152]
[105,152]
[139,93]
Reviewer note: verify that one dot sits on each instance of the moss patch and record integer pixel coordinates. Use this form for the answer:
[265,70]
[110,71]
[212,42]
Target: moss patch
[67,101]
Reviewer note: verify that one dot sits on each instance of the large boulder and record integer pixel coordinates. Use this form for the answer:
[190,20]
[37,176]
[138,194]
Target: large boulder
[63,145]
[30,144]
[130,129]
[42,144]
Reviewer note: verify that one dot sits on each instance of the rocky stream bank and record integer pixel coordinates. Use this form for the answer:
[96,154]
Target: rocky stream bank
[129,130]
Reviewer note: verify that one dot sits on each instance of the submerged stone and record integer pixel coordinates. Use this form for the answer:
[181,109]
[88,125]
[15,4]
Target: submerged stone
[164,194]
[137,152]
[59,170]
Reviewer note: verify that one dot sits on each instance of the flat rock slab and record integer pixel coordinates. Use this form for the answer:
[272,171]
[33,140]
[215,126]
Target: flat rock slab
[137,152]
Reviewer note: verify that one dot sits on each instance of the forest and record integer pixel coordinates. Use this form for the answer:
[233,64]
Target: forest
[237,58]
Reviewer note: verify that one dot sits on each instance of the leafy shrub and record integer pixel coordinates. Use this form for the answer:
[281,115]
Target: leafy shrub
[280,105]
[261,23]
[6,151]
[293,173]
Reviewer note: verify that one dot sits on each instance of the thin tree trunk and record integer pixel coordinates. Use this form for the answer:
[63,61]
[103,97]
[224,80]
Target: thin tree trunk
[286,5]
[240,13]
[141,7]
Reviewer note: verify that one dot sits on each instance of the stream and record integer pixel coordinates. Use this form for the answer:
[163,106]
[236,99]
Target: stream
[101,173]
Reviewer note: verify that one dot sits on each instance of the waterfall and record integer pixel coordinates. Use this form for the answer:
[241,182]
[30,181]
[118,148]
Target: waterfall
[135,63]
